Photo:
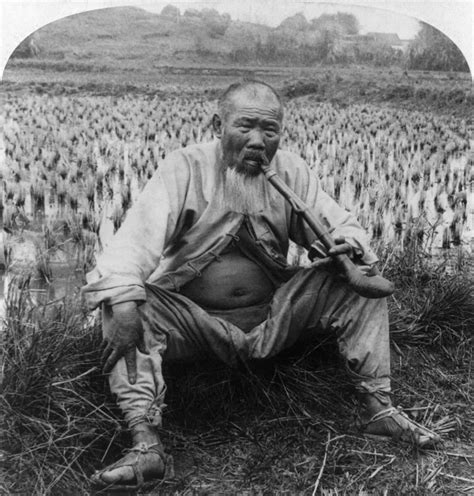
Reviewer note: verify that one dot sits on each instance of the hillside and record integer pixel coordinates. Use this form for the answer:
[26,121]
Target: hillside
[136,38]
[127,49]
[133,39]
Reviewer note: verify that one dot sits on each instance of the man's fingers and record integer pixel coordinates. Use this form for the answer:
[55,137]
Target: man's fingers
[141,342]
[365,269]
[322,262]
[112,356]
[111,361]
[369,270]
[142,347]
[344,248]
[106,352]
[341,248]
[131,361]
[373,271]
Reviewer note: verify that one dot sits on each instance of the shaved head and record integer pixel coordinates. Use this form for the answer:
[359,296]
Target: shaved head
[251,88]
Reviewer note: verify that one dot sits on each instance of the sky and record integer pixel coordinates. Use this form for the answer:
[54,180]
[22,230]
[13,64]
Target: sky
[19,18]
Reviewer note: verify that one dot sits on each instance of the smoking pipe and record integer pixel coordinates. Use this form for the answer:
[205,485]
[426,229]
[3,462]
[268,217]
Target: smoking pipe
[374,286]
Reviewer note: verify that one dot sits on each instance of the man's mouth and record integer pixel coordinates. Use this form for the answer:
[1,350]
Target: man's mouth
[256,159]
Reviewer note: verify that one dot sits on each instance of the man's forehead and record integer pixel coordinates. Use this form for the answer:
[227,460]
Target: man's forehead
[261,97]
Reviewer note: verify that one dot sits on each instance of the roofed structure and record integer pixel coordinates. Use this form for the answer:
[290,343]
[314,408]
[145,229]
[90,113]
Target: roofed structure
[391,39]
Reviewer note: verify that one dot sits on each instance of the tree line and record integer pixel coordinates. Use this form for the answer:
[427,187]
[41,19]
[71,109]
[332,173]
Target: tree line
[335,38]
[327,39]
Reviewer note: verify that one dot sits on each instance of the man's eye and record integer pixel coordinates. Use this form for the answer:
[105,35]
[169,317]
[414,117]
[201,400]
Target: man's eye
[271,132]
[244,127]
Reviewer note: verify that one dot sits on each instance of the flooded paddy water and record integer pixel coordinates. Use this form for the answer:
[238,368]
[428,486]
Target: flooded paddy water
[72,166]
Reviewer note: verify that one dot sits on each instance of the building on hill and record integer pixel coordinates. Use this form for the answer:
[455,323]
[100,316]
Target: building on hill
[389,39]
[405,45]
[355,38]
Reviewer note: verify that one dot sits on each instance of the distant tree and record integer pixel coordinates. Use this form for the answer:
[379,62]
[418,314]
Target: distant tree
[192,13]
[432,50]
[329,30]
[342,22]
[326,45]
[348,22]
[324,21]
[378,54]
[267,51]
[171,11]
[241,55]
[298,22]
[27,48]
[215,23]
[281,45]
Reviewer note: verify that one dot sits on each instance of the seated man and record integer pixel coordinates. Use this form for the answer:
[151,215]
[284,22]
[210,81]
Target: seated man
[198,269]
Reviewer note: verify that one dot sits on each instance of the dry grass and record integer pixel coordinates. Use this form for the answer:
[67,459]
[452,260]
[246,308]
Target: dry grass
[434,301]
[54,417]
[285,426]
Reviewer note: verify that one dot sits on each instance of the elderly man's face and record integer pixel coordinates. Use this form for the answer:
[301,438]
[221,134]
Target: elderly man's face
[251,128]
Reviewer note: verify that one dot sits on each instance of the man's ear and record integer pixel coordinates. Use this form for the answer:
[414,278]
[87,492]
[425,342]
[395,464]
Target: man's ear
[217,125]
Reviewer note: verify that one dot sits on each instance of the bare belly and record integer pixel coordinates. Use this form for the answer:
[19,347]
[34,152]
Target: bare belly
[234,281]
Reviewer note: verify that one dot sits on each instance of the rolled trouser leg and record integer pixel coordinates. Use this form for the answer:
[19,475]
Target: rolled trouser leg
[315,298]
[142,401]
[363,340]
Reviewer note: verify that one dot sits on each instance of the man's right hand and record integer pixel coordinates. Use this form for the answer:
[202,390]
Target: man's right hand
[123,336]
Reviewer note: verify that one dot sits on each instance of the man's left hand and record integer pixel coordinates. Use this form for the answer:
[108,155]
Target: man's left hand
[342,248]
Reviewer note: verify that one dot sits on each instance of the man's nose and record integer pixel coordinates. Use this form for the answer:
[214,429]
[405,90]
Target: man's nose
[256,139]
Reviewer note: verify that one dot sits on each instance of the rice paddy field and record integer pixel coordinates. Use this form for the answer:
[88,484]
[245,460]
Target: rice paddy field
[72,165]
[83,160]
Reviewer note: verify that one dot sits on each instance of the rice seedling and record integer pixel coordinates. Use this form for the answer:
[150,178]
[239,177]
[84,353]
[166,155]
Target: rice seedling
[281,427]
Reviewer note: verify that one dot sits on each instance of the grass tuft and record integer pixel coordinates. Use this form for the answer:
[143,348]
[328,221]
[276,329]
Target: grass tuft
[434,299]
[284,426]
[55,420]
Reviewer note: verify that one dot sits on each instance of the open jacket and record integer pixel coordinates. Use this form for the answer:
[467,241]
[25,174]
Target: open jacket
[176,227]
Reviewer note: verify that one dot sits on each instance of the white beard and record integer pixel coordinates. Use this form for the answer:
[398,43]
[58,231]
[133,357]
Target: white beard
[242,193]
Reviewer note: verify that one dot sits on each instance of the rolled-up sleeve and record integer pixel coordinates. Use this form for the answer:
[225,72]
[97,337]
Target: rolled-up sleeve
[337,220]
[135,250]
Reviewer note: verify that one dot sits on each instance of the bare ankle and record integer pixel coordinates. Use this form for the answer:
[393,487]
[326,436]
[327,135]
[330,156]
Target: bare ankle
[145,433]
[374,403]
